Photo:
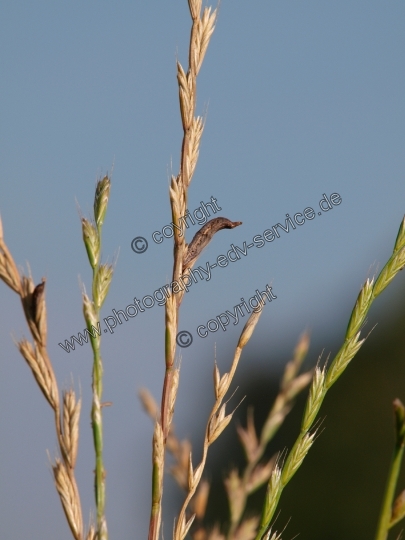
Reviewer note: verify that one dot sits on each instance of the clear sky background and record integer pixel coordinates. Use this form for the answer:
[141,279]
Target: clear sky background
[301,99]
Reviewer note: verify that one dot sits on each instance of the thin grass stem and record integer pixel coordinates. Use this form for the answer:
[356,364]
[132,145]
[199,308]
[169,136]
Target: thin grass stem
[387,519]
[102,276]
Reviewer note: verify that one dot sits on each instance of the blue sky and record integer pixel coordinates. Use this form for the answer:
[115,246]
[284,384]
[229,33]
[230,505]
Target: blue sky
[301,100]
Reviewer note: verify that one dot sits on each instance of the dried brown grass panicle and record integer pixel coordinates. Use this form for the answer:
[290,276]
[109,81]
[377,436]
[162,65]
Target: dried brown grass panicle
[180,450]
[68,495]
[35,354]
[203,25]
[240,486]
[8,269]
[217,422]
[256,473]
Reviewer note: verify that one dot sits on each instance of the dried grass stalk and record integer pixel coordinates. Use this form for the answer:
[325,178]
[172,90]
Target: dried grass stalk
[34,305]
[256,473]
[201,31]
[217,422]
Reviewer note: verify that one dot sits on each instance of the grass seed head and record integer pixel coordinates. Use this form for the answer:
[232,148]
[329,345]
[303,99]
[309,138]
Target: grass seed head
[292,367]
[201,499]
[196,131]
[68,498]
[205,29]
[91,535]
[89,311]
[400,240]
[260,475]
[360,309]
[236,495]
[399,411]
[185,526]
[217,379]
[297,385]
[45,379]
[91,241]
[296,457]
[101,197]
[149,403]
[315,398]
[185,97]
[272,495]
[248,437]
[39,310]
[173,394]
[195,8]
[247,529]
[398,509]
[390,270]
[344,356]
[102,283]
[248,329]
[71,416]
[217,424]
[8,269]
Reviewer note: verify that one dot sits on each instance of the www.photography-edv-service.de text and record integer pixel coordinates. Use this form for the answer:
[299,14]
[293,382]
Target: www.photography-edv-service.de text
[160,295]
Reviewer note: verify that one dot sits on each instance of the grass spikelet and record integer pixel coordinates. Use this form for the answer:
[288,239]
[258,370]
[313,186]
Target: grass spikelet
[248,329]
[201,499]
[185,96]
[195,8]
[101,285]
[247,529]
[91,241]
[315,398]
[234,489]
[101,198]
[71,416]
[342,359]
[149,404]
[91,534]
[67,495]
[196,131]
[8,269]
[39,367]
[390,270]
[30,311]
[273,494]
[400,239]
[296,456]
[360,309]
[205,29]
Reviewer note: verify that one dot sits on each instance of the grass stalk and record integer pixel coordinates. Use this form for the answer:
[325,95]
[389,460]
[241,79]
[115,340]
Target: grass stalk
[391,516]
[102,276]
[201,31]
[67,414]
[239,487]
[217,422]
[323,381]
